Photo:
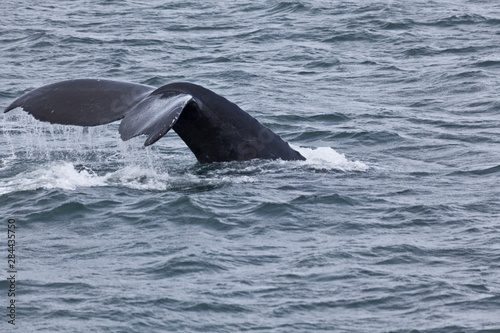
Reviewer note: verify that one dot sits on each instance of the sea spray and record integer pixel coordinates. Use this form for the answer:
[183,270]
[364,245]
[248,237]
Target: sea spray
[326,158]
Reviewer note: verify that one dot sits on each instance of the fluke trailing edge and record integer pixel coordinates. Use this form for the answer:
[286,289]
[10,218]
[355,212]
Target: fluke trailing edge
[215,129]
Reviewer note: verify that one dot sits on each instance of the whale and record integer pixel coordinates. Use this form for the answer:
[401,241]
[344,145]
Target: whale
[213,128]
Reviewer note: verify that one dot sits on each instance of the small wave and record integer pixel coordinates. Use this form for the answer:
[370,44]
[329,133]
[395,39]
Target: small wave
[460,20]
[334,117]
[325,199]
[351,36]
[402,25]
[420,51]
[478,172]
[287,7]
[487,63]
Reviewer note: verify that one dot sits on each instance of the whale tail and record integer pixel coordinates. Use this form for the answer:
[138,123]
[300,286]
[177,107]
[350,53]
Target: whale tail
[215,129]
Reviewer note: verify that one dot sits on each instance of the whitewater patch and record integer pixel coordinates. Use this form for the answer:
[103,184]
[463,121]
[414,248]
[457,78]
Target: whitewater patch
[70,176]
[326,158]
[64,175]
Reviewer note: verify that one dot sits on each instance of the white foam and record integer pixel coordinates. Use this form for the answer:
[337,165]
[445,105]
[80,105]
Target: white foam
[110,162]
[64,175]
[61,175]
[139,178]
[235,180]
[326,158]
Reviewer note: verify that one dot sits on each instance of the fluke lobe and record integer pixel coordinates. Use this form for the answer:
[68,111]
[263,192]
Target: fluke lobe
[215,129]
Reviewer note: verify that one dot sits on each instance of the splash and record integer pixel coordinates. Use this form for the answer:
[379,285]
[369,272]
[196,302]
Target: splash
[139,178]
[68,176]
[46,156]
[326,158]
[64,175]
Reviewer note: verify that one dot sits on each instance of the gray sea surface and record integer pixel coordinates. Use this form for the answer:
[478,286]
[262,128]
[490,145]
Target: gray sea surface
[391,225]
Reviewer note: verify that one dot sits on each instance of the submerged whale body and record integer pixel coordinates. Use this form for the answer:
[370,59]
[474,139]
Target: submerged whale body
[215,129]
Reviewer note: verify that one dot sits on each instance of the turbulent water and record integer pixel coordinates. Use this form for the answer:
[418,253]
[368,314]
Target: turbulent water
[392,223]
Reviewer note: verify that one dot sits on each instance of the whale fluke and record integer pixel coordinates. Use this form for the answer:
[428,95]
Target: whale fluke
[215,129]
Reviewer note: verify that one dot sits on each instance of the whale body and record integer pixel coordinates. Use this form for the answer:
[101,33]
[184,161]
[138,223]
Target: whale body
[215,129]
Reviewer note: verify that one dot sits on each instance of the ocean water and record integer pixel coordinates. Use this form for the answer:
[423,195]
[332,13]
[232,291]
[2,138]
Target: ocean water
[391,225]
